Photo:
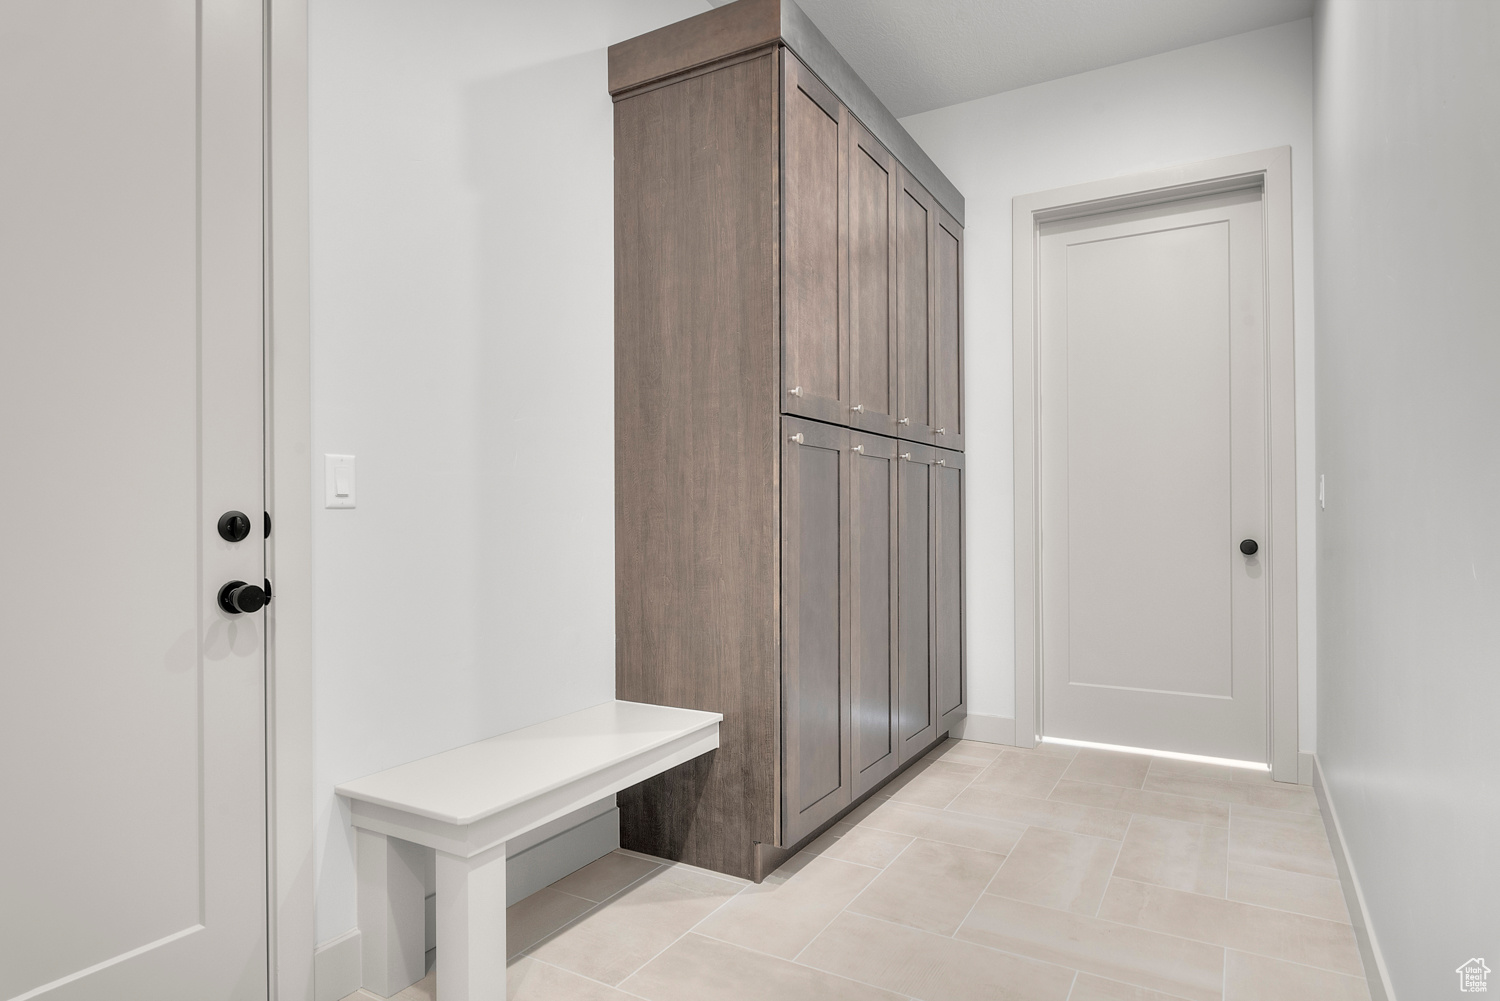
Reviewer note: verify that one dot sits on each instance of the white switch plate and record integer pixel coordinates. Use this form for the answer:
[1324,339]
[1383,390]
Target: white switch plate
[338,481]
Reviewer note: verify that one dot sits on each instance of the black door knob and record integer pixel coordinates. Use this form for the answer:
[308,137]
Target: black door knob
[237,596]
[234,526]
[1249,548]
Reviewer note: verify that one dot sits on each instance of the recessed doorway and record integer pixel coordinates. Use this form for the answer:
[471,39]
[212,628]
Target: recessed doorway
[1155,463]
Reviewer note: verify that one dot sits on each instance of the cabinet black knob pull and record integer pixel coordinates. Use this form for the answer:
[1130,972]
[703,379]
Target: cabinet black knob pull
[1249,548]
[237,597]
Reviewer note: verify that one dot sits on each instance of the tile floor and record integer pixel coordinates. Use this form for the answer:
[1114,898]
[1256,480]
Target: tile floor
[984,872]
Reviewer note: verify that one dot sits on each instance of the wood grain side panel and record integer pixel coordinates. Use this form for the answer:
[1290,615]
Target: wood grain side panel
[696,456]
[724,31]
[948,348]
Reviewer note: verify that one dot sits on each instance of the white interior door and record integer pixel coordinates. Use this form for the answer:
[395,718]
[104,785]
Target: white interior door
[1153,472]
[132,709]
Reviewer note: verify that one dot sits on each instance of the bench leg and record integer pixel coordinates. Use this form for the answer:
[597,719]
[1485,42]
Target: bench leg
[392,919]
[471,926]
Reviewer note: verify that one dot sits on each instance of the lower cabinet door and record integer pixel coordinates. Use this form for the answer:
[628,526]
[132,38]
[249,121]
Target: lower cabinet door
[816,772]
[948,562]
[873,545]
[916,693]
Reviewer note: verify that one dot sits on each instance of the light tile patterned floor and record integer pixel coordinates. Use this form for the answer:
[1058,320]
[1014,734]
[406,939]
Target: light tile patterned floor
[982,873]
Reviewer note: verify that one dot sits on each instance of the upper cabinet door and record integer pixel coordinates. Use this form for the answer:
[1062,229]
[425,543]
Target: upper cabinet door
[873,185]
[948,332]
[814,213]
[816,777]
[914,310]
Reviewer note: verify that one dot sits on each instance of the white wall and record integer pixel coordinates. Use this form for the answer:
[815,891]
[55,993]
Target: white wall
[462,310]
[1408,104]
[1240,94]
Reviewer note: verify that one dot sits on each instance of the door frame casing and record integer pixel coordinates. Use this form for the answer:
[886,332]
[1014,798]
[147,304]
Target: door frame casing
[1271,171]
[291,935]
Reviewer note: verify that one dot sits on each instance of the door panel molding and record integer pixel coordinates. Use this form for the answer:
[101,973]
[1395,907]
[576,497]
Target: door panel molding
[1270,170]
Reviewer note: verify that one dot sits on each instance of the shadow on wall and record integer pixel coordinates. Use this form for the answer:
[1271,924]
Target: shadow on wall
[541,163]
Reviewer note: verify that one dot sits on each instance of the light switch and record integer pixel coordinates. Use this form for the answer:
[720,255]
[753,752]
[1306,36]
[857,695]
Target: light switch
[338,480]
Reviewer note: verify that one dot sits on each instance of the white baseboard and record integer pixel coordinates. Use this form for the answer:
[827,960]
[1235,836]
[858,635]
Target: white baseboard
[336,967]
[986,729]
[1306,765]
[545,862]
[1376,976]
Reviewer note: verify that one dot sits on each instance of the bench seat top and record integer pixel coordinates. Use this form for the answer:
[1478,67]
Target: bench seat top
[478,780]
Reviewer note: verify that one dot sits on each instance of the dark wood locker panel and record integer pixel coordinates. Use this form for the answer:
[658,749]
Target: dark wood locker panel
[873,185]
[816,779]
[814,332]
[948,589]
[697,451]
[914,310]
[916,694]
[769,237]
[873,577]
[948,326]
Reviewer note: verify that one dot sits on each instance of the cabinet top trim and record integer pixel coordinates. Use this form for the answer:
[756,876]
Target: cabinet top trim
[746,25]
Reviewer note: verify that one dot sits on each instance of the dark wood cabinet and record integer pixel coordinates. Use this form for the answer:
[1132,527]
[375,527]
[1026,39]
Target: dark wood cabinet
[872,184]
[914,302]
[948,587]
[816,774]
[788,269]
[916,691]
[814,327]
[947,332]
[873,578]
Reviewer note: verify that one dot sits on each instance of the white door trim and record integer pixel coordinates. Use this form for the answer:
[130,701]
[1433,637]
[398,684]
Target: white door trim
[289,499]
[1270,170]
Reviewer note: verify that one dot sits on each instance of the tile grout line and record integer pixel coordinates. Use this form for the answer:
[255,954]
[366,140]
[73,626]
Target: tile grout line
[1206,896]
[1228,850]
[995,875]
[581,976]
[845,908]
[594,905]
[953,844]
[1116,863]
[761,952]
[1122,983]
[982,770]
[1153,792]
[1174,935]
[1072,987]
[805,966]
[686,932]
[962,941]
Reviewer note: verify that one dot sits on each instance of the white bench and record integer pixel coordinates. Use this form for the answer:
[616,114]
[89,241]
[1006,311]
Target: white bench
[465,804]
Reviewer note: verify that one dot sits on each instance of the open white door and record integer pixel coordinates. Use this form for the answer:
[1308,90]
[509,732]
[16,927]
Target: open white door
[132,707]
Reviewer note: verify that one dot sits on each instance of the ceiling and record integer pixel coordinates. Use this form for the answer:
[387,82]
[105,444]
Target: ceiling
[917,55]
